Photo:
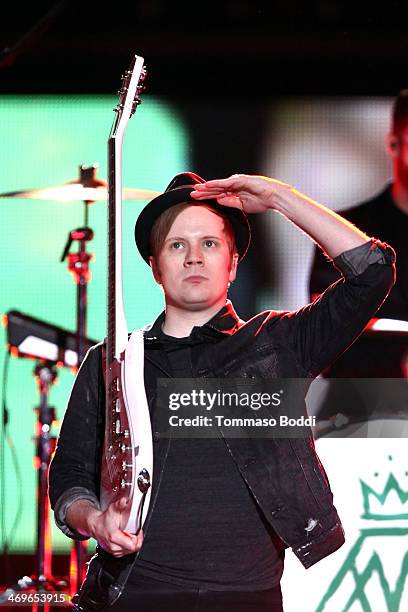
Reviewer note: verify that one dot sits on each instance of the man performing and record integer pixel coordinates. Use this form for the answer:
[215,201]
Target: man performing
[222,510]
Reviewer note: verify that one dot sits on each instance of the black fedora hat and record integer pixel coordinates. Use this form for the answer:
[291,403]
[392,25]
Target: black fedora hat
[177,192]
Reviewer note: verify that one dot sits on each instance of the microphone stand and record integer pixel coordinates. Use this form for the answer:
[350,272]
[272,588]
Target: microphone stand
[78,264]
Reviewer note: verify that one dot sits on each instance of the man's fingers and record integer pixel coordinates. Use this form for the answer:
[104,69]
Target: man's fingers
[229,200]
[113,514]
[208,193]
[213,193]
[137,539]
[232,182]
[120,543]
[223,197]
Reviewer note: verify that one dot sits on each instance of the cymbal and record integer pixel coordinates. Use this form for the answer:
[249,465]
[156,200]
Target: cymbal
[75,190]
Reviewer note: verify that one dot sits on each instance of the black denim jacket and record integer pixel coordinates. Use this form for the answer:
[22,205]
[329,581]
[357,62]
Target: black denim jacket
[285,476]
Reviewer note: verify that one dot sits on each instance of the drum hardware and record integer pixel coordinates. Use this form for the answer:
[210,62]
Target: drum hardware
[89,189]
[51,346]
[78,265]
[36,339]
[42,581]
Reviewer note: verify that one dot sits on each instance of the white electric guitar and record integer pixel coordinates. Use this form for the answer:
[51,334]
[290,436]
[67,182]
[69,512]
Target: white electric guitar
[127,460]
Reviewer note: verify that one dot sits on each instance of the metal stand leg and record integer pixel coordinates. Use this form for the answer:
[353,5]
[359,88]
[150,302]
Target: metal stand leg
[42,582]
[78,265]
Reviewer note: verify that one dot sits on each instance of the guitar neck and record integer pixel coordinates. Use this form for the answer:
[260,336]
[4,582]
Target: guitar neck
[132,85]
[117,327]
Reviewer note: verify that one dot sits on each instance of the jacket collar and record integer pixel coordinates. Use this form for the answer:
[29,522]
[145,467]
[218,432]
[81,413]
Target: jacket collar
[224,322]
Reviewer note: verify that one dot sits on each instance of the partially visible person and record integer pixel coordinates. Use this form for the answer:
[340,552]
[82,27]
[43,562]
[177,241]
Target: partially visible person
[385,214]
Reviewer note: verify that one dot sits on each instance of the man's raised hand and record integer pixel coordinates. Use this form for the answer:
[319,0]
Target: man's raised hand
[253,194]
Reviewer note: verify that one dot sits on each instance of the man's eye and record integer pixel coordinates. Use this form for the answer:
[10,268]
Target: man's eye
[209,243]
[176,245]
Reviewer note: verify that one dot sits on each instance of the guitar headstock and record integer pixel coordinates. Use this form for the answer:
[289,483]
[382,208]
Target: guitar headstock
[133,84]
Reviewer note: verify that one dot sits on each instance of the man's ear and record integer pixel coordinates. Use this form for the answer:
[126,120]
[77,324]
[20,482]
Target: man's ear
[155,269]
[234,265]
[392,144]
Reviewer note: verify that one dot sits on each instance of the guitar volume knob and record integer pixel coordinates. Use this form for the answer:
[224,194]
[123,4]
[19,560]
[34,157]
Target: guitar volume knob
[143,480]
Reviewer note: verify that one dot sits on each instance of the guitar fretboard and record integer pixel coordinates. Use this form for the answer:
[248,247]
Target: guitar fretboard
[111,305]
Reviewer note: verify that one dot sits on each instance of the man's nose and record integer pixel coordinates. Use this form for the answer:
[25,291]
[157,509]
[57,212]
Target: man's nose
[194,255]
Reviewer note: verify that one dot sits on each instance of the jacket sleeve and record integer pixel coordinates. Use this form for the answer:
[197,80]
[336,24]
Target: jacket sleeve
[322,273]
[321,331]
[75,468]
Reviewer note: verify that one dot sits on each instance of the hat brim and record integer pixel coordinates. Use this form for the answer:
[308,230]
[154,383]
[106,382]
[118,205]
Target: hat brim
[179,195]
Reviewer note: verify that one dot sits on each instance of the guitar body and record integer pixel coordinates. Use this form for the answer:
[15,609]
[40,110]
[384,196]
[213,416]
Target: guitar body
[127,460]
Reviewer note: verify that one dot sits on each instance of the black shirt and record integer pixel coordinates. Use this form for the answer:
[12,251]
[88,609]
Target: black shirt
[206,529]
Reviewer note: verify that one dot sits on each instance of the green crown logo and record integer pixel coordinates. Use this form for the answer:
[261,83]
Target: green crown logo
[382,506]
